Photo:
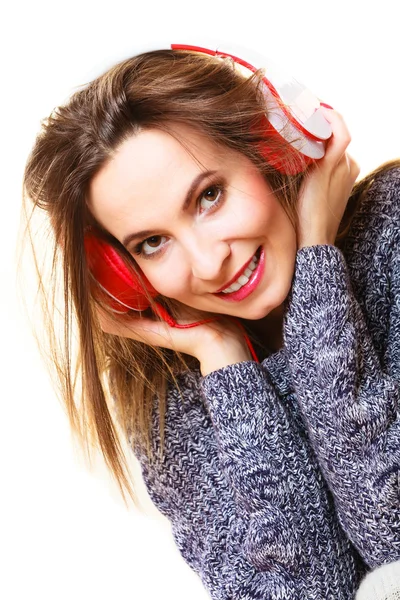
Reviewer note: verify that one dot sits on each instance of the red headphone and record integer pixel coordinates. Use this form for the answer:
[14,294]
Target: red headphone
[293,111]
[293,114]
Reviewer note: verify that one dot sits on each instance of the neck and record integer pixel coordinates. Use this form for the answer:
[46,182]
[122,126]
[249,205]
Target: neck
[268,331]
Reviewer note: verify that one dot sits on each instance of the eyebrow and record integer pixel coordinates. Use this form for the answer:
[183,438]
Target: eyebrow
[188,198]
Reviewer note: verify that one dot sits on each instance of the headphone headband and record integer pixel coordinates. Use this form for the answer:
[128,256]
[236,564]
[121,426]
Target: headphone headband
[283,93]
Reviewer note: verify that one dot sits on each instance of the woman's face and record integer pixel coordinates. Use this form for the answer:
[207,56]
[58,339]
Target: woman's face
[195,221]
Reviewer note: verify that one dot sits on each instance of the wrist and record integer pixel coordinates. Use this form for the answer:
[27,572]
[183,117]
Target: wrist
[314,241]
[221,355]
[314,238]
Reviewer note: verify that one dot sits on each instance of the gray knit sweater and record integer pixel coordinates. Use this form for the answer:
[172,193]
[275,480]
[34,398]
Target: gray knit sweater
[281,479]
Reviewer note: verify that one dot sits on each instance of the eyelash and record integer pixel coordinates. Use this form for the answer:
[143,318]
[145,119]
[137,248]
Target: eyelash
[138,249]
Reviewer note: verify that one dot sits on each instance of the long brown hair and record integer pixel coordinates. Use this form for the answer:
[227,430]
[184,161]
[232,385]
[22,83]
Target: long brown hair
[106,381]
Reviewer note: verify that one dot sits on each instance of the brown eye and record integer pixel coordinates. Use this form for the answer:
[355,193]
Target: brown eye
[152,244]
[153,241]
[210,197]
[212,193]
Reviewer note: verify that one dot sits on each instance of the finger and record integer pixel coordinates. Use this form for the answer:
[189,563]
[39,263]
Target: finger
[354,167]
[154,333]
[340,138]
[348,169]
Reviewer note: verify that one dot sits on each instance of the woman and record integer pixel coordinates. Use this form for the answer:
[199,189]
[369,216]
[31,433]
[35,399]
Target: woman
[280,477]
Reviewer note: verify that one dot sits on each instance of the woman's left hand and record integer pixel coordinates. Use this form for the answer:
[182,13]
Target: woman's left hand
[327,188]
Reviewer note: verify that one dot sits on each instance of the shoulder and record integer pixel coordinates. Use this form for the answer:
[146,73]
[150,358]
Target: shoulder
[380,205]
[383,196]
[371,248]
[387,179]
[375,228]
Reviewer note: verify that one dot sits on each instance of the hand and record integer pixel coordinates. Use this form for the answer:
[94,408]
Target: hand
[215,345]
[327,188]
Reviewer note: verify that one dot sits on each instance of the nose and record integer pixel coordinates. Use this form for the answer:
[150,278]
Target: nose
[207,256]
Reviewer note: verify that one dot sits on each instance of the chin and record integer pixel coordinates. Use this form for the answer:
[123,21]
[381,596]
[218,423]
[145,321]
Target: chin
[257,313]
[259,310]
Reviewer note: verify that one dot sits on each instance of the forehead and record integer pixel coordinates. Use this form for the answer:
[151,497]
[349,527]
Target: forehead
[151,163]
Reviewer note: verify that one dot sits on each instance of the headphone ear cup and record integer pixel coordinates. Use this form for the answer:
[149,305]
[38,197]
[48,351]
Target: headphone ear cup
[122,290]
[293,166]
[280,154]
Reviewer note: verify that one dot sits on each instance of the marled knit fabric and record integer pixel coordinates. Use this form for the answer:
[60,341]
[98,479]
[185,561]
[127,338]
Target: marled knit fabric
[277,476]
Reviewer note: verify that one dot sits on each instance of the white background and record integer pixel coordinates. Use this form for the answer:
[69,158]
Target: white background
[64,533]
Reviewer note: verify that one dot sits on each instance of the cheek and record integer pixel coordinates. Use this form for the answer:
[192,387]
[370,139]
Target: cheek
[168,279]
[246,217]
[259,208]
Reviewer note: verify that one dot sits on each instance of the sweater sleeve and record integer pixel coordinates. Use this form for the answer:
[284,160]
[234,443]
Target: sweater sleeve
[249,508]
[350,404]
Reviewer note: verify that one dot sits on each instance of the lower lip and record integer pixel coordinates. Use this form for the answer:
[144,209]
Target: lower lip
[248,287]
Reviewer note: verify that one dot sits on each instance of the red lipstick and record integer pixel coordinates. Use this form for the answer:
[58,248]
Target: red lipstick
[248,287]
[235,277]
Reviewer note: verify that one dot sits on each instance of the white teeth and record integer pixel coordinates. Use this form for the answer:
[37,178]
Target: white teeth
[243,279]
[235,286]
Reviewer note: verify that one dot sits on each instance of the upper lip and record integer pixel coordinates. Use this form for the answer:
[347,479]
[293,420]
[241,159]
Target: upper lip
[235,277]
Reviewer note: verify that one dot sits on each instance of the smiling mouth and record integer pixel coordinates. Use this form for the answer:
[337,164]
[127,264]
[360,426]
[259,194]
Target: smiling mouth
[247,280]
[244,277]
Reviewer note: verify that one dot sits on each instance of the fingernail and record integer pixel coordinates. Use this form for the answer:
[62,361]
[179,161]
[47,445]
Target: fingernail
[326,105]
